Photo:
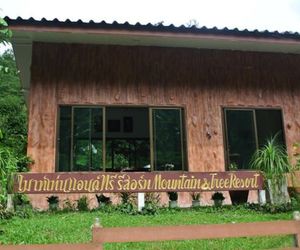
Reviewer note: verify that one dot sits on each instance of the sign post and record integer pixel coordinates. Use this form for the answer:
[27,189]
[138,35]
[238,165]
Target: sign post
[141,201]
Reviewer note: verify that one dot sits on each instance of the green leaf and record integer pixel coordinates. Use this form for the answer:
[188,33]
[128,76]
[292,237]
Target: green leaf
[3,23]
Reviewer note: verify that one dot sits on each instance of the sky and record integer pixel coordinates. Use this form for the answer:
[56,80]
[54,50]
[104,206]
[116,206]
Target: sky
[281,15]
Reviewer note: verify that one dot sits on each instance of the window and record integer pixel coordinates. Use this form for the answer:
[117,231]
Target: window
[167,139]
[120,139]
[127,142]
[248,129]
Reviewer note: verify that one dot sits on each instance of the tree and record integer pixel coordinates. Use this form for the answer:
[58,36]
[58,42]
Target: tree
[13,120]
[5,35]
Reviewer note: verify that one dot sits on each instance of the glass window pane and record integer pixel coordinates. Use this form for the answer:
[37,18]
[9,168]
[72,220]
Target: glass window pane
[241,137]
[97,140]
[167,139]
[269,124]
[127,139]
[64,139]
[81,139]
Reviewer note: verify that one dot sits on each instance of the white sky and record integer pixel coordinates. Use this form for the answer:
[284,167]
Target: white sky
[281,15]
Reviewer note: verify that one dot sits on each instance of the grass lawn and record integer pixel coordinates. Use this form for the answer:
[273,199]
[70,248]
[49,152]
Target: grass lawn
[75,227]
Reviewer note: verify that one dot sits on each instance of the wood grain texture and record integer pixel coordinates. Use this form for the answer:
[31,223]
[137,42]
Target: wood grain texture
[193,232]
[201,81]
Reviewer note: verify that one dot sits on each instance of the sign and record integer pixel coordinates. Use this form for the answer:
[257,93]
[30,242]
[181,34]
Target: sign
[104,182]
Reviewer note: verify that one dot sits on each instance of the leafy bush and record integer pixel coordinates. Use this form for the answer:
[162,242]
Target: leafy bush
[83,203]
[195,196]
[128,204]
[4,214]
[126,197]
[151,204]
[218,196]
[8,165]
[68,206]
[21,200]
[13,124]
[271,208]
[127,208]
[13,114]
[53,202]
[53,199]
[150,208]
[152,198]
[173,196]
[24,212]
[103,200]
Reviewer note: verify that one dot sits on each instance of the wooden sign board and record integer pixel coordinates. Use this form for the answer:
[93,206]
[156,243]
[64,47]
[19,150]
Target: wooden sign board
[102,182]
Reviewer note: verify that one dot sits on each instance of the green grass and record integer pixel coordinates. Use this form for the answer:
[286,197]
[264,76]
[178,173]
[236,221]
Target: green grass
[75,227]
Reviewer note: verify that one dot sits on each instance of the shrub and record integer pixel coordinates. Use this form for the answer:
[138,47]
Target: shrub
[151,204]
[83,203]
[152,198]
[103,200]
[24,212]
[4,214]
[272,208]
[218,196]
[173,196]
[150,208]
[195,196]
[128,208]
[68,206]
[8,165]
[21,200]
[126,197]
[53,203]
[127,205]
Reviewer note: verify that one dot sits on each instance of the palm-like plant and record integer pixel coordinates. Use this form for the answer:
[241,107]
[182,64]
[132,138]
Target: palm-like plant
[272,159]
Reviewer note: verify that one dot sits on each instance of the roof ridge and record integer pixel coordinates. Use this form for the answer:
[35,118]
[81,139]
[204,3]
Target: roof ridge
[158,27]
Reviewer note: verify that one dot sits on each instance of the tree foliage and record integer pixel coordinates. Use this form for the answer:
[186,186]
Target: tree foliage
[5,33]
[13,124]
[13,115]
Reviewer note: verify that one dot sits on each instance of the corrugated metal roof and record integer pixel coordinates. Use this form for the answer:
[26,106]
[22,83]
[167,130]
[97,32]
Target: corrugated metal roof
[152,28]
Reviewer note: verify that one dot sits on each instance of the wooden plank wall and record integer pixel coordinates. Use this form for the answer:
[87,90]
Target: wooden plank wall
[202,81]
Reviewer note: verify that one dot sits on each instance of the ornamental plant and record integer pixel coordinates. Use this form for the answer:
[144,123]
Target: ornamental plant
[173,196]
[53,202]
[103,200]
[218,196]
[195,196]
[272,159]
[83,203]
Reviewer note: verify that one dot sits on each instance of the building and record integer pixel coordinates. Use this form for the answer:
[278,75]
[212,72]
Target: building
[112,97]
